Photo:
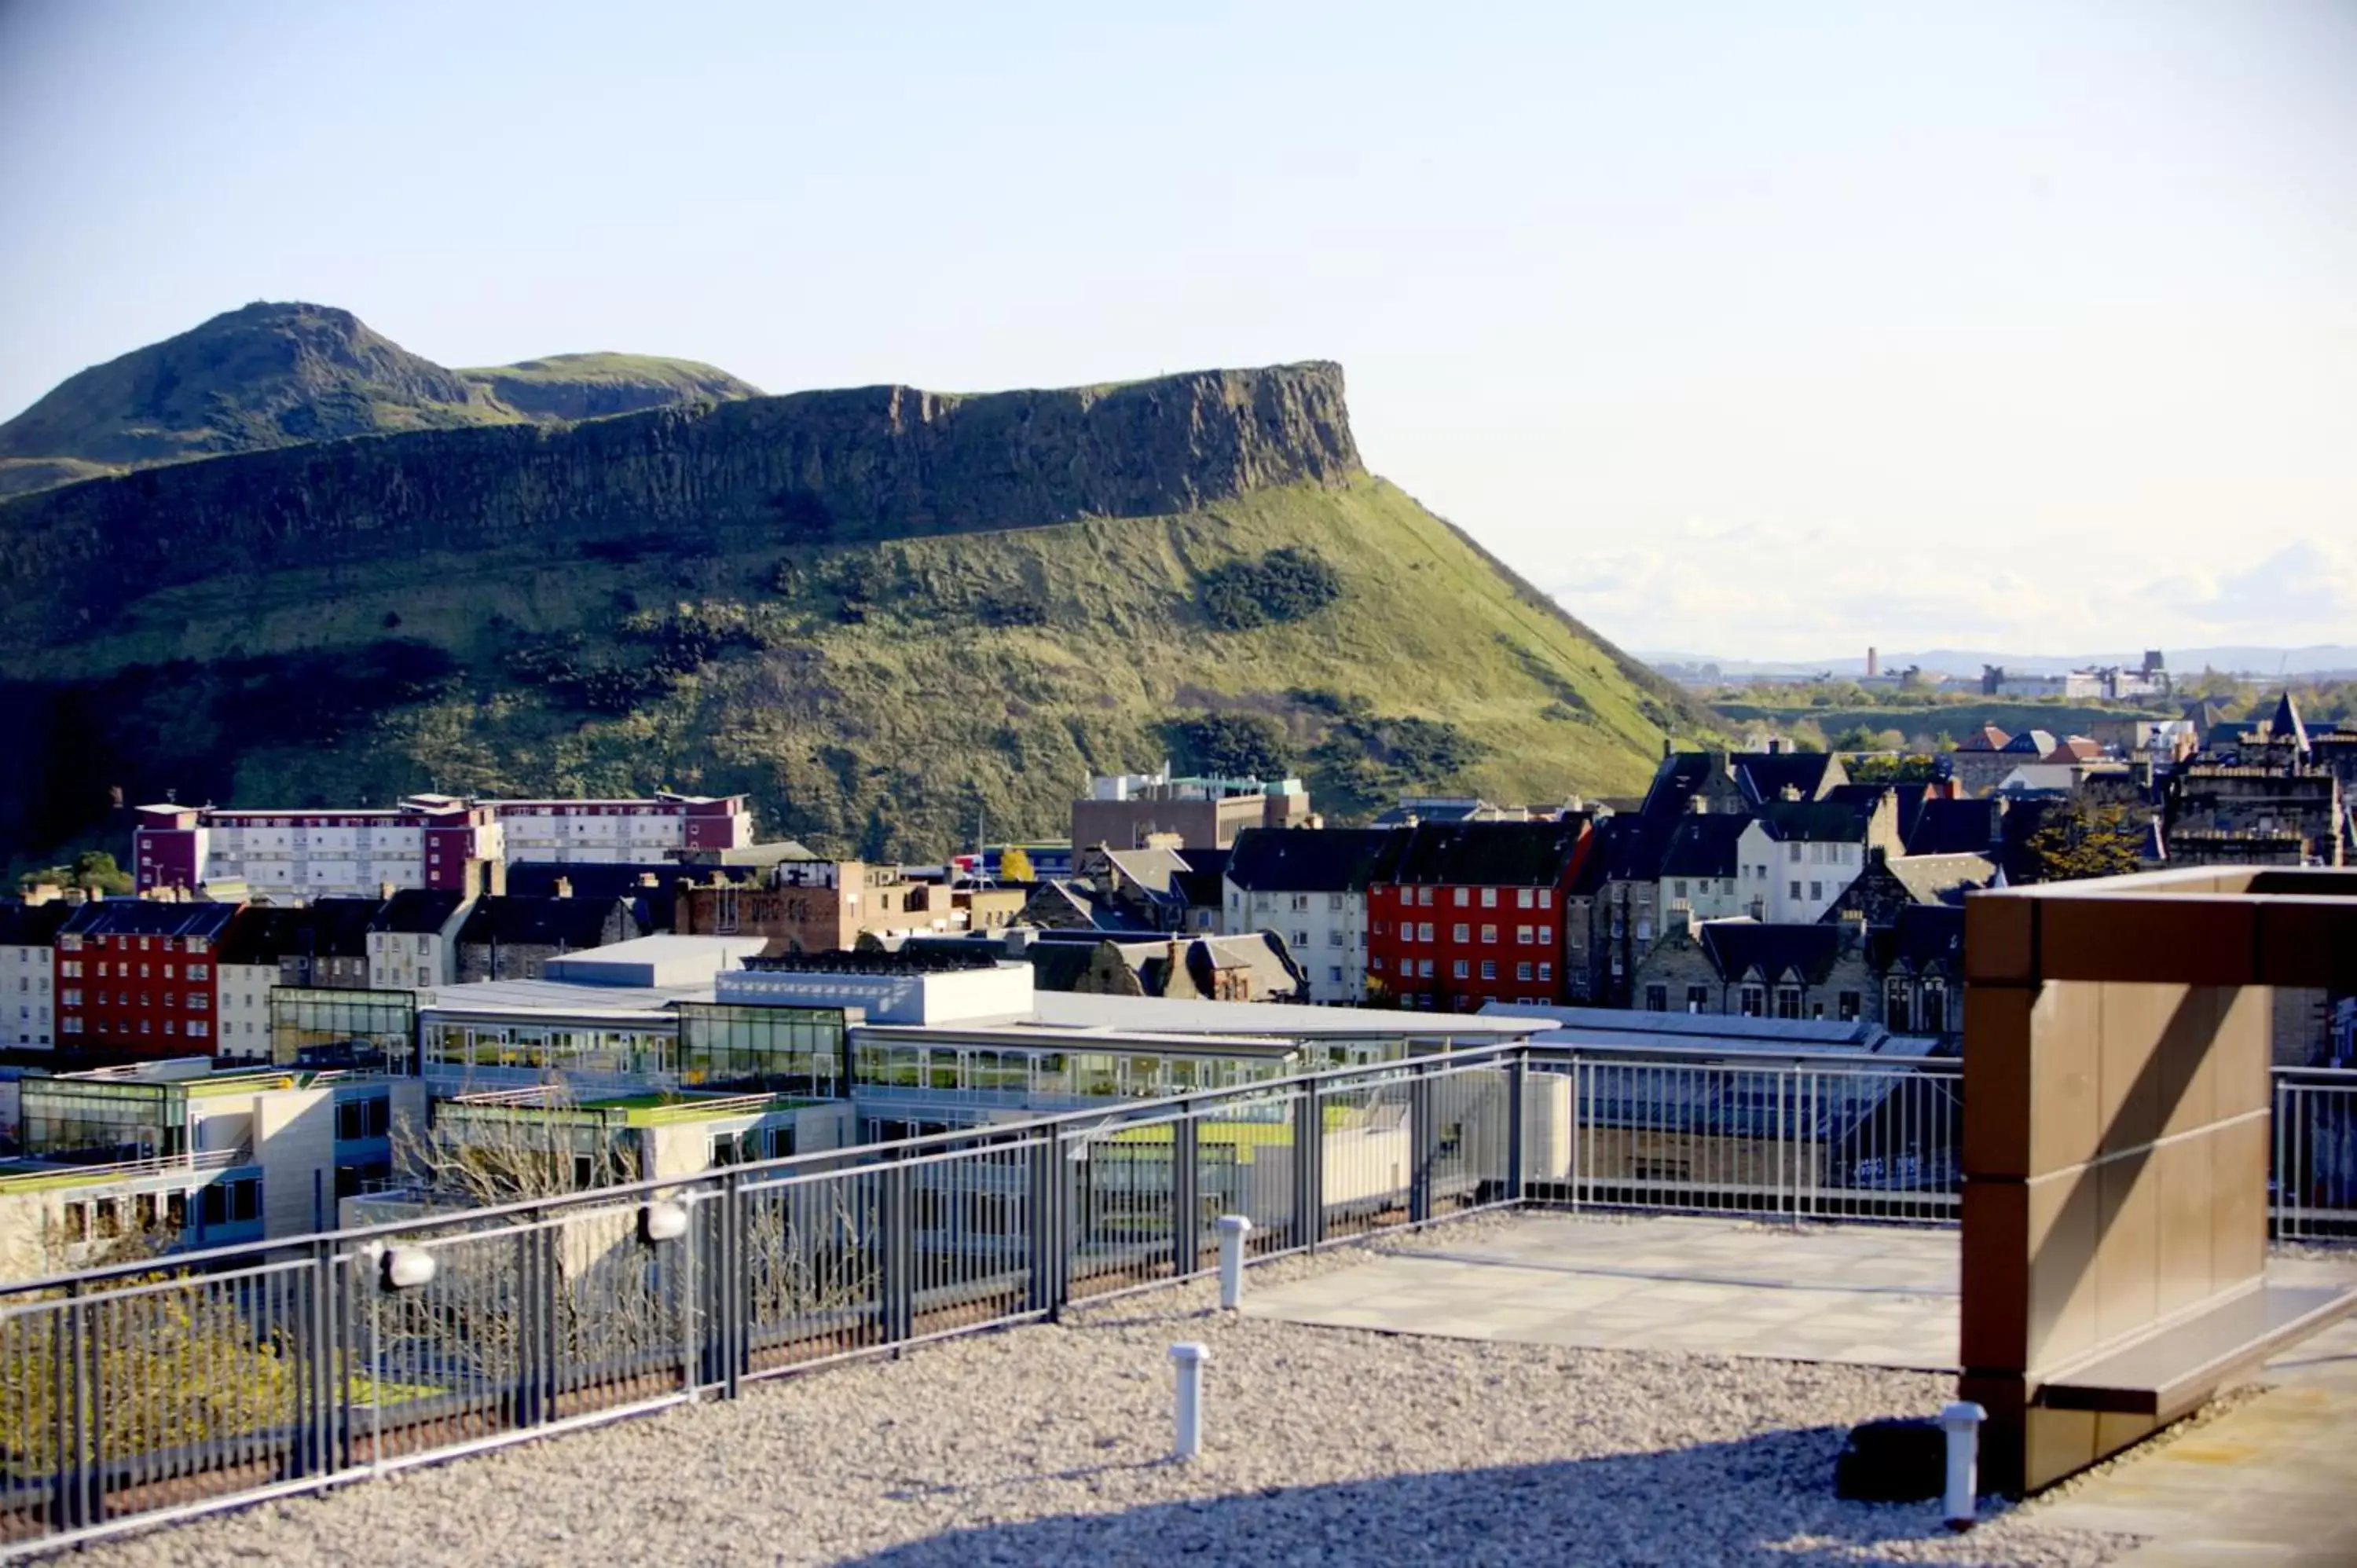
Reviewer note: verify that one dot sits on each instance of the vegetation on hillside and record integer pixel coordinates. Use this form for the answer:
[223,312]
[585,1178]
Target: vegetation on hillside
[875,697]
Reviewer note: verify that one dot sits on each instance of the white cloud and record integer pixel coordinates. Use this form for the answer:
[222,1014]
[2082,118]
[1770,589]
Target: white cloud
[1778,590]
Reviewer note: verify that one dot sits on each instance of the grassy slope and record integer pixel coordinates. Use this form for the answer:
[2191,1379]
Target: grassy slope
[619,370]
[921,713]
[23,476]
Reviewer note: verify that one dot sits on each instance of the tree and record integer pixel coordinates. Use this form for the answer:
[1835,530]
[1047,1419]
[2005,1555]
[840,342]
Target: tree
[93,871]
[2083,838]
[1233,746]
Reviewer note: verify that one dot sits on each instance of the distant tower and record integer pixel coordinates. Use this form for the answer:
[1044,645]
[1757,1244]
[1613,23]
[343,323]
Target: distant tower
[1873,664]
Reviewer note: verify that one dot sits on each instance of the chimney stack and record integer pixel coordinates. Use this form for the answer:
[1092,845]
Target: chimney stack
[1666,748]
[564,887]
[384,892]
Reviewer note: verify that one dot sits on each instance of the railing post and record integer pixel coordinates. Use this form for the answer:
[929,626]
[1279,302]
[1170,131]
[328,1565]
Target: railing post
[1051,1269]
[1309,1168]
[1518,1072]
[1186,1203]
[1582,1085]
[1423,1144]
[70,1507]
[897,1287]
[315,1450]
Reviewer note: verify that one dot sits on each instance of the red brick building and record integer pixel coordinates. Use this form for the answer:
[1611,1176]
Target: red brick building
[140,978]
[1460,914]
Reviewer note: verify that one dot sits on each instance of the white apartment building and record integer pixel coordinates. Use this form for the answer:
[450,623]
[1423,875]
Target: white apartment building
[1796,857]
[440,842]
[1310,885]
[413,945]
[28,934]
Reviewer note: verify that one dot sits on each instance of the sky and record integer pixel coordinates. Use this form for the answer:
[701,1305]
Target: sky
[1765,329]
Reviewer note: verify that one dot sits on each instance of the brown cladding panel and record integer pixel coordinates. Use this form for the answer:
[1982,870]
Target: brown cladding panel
[2238,1201]
[2183,1274]
[2195,939]
[2000,939]
[1994,1330]
[2066,1213]
[2127,1255]
[2065,1109]
[2132,1022]
[1997,1081]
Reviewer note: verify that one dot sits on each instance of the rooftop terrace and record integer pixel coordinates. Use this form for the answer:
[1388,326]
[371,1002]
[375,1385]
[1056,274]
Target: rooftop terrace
[1478,1437]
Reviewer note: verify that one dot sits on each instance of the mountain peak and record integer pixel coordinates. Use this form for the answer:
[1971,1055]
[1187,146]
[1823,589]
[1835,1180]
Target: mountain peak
[281,372]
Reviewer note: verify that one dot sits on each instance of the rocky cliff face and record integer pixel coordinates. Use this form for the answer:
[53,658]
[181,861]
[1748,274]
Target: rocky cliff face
[872,463]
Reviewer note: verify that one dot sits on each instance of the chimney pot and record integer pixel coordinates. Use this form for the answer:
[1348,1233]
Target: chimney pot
[564,887]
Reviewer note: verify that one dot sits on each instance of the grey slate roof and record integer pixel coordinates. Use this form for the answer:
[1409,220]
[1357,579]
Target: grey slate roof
[24,924]
[418,911]
[1753,950]
[1481,854]
[1811,821]
[1306,860]
[1704,846]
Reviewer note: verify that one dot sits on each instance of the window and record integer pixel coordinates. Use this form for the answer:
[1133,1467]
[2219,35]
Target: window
[1464,897]
[1816,891]
[1546,897]
[1423,969]
[1846,1007]
[1300,902]
[1644,927]
[1333,936]
[1796,890]
[70,997]
[1792,853]
[1546,971]
[197,1026]
[1460,932]
[1424,894]
[1333,901]
[1460,969]
[1788,1002]
[1752,1002]
[1522,970]
[1897,1015]
[70,969]
[1334,973]
[1424,932]
[1523,935]
[1301,938]
[369,1118]
[198,1001]
[1489,933]
[1489,969]
[200,971]
[1546,935]
[1697,998]
[1935,1007]
[1375,964]
[1657,999]
[1489,897]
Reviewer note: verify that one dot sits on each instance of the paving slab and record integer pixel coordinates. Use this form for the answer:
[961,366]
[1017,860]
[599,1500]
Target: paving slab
[1864,1294]
[2269,1483]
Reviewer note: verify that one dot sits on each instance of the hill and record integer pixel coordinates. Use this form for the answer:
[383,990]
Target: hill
[274,375]
[877,611]
[597,386]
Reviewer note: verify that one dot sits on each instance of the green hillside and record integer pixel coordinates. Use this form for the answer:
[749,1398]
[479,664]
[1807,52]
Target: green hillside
[882,613]
[874,697]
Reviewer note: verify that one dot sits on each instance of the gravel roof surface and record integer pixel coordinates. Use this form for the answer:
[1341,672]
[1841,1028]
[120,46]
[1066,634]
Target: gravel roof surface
[1046,1445]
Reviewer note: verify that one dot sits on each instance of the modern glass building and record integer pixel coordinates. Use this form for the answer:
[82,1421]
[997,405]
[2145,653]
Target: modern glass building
[314,1027]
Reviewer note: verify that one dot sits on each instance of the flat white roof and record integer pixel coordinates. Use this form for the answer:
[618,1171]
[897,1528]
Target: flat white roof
[1147,1015]
[558,998]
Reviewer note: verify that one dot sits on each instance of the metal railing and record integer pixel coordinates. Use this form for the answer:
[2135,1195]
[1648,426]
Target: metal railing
[146,1391]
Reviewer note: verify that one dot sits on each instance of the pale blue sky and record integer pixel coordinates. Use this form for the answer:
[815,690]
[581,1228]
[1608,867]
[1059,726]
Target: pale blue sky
[1770,329]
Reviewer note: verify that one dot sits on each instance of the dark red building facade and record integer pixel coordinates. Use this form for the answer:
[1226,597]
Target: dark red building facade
[1460,914]
[140,978]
